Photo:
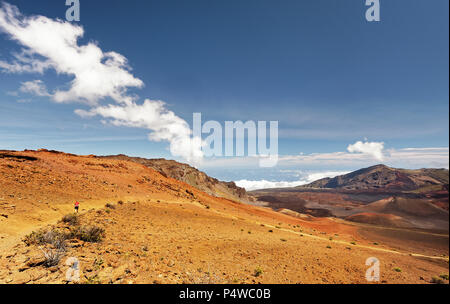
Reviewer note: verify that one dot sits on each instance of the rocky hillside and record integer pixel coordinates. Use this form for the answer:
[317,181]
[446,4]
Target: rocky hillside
[189,175]
[381,177]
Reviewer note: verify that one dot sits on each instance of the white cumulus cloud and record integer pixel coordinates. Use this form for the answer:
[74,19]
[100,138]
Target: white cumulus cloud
[96,76]
[36,87]
[153,115]
[375,149]
[53,44]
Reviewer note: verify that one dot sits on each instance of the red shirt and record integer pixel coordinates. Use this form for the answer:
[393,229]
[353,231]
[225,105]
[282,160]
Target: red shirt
[77,204]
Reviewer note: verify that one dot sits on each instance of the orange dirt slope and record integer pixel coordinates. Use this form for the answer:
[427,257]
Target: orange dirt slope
[169,232]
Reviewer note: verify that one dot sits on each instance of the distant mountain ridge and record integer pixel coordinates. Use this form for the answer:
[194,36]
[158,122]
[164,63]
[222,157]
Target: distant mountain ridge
[378,195]
[381,177]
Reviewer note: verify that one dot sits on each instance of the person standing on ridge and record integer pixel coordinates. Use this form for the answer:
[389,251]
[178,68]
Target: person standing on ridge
[77,206]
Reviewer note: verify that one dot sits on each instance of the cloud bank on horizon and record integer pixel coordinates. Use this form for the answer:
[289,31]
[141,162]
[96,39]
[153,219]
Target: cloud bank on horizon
[97,75]
[320,163]
[399,158]
[250,185]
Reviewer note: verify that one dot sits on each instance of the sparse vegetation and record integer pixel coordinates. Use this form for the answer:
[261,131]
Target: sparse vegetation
[258,272]
[329,247]
[34,238]
[397,269]
[92,234]
[53,237]
[52,257]
[98,263]
[353,243]
[57,240]
[120,202]
[283,240]
[437,280]
[444,276]
[71,219]
[92,279]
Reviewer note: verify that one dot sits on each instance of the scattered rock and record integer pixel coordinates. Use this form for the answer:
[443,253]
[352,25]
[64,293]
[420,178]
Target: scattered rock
[171,263]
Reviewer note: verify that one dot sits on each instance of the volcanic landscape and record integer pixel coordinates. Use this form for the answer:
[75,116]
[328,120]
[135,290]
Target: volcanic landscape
[162,222]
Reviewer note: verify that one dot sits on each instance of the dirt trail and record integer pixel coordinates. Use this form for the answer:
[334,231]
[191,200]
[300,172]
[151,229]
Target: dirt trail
[353,245]
[27,227]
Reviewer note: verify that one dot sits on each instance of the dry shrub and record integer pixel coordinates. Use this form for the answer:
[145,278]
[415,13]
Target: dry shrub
[92,234]
[52,236]
[437,280]
[52,257]
[71,219]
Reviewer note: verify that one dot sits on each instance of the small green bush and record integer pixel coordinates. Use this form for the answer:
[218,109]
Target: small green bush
[92,280]
[34,238]
[258,272]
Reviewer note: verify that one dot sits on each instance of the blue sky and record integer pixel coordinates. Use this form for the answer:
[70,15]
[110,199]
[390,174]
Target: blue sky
[318,67]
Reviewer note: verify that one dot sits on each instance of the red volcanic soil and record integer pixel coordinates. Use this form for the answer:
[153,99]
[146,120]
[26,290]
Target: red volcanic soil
[417,207]
[439,198]
[388,220]
[161,230]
